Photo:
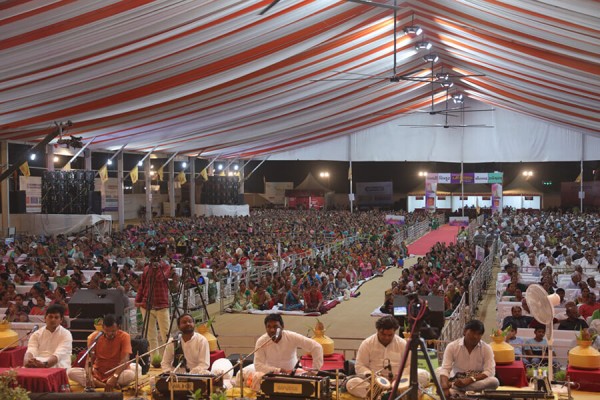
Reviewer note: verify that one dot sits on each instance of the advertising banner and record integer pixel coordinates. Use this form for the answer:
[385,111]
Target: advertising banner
[458,221]
[496,197]
[430,191]
[32,185]
[394,219]
[109,191]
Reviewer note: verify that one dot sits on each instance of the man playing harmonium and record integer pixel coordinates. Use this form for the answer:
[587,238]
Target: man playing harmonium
[191,353]
[276,349]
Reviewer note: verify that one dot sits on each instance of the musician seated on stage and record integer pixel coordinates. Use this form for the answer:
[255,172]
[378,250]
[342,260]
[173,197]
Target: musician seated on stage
[468,363]
[50,346]
[192,352]
[113,348]
[277,349]
[383,351]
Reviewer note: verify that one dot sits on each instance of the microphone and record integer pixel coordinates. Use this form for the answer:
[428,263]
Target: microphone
[277,334]
[295,368]
[177,338]
[35,328]
[97,337]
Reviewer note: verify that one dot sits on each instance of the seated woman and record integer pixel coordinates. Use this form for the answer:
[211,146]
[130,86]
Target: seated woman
[313,300]
[241,298]
[261,299]
[292,299]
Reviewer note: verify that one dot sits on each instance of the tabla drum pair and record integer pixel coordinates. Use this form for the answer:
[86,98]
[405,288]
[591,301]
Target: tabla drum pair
[360,387]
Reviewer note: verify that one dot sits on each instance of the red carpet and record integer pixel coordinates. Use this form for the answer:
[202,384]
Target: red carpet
[444,233]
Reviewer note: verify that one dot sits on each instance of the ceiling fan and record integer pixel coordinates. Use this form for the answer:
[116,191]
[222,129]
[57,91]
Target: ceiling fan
[367,2]
[448,112]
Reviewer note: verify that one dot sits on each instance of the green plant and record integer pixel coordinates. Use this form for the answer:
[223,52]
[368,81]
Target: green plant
[214,396]
[560,375]
[156,360]
[9,388]
[500,332]
[208,323]
[584,334]
[406,326]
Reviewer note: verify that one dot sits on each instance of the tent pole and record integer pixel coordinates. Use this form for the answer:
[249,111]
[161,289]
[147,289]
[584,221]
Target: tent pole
[581,194]
[351,195]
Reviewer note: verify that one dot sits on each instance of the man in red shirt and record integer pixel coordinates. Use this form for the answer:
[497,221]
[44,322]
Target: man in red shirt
[157,271]
[113,348]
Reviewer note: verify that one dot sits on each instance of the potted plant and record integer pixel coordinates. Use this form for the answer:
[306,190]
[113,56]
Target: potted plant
[584,356]
[156,360]
[98,322]
[213,396]
[504,353]
[9,388]
[406,329]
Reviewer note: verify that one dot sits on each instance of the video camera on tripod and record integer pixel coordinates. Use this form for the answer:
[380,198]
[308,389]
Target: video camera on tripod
[433,315]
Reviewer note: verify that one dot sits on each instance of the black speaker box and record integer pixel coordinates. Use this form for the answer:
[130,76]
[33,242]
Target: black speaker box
[96,203]
[17,202]
[87,303]
[77,396]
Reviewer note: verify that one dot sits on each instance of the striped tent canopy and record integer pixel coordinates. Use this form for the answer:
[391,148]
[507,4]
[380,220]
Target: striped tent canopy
[215,78]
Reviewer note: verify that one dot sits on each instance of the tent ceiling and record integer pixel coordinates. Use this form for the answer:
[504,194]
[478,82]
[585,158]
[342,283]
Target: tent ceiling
[217,79]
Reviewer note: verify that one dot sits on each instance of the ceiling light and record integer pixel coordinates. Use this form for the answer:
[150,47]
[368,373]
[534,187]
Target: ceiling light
[140,163]
[431,57]
[219,167]
[458,98]
[442,76]
[413,30]
[184,165]
[446,84]
[109,162]
[32,156]
[56,158]
[236,167]
[423,46]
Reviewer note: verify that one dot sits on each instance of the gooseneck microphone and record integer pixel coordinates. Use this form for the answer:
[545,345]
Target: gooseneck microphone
[277,334]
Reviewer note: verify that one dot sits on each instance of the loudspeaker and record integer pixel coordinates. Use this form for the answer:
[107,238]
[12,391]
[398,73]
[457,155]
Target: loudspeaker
[87,303]
[96,203]
[77,396]
[17,202]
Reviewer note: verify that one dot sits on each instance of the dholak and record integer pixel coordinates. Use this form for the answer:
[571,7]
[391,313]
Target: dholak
[361,387]
[402,386]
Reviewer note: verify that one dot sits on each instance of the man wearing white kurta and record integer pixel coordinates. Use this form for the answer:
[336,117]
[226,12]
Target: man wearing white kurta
[468,363]
[277,349]
[196,352]
[383,351]
[50,346]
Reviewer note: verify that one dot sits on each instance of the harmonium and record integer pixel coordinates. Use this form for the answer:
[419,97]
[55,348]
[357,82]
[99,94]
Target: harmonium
[182,384]
[286,387]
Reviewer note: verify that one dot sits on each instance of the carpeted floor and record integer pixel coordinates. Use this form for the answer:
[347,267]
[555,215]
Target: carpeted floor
[444,233]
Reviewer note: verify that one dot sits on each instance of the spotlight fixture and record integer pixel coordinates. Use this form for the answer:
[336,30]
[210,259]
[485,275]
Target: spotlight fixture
[413,30]
[32,156]
[431,57]
[442,76]
[140,163]
[446,84]
[184,165]
[423,173]
[458,98]
[109,162]
[423,46]
[220,167]
[56,159]
[236,167]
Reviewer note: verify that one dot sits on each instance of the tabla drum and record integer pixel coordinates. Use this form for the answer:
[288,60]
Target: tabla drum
[402,386]
[361,387]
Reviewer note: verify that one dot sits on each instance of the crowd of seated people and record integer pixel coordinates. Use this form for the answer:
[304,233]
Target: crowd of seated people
[444,271]
[36,272]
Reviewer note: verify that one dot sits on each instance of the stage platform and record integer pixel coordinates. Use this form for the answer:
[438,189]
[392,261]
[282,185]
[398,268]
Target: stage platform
[55,224]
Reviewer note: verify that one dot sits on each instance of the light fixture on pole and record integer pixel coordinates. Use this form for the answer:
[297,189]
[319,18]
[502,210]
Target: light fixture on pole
[423,174]
[431,57]
[442,76]
[446,84]
[458,98]
[425,45]
[413,30]
[528,174]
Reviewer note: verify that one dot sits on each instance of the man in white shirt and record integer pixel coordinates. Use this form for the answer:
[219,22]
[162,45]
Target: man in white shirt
[50,346]
[192,352]
[468,363]
[383,351]
[277,349]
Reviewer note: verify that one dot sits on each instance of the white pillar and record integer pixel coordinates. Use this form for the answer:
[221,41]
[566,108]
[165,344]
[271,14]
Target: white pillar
[148,191]
[192,181]
[120,191]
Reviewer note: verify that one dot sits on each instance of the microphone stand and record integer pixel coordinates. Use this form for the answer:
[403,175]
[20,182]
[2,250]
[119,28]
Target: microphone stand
[17,341]
[240,363]
[88,367]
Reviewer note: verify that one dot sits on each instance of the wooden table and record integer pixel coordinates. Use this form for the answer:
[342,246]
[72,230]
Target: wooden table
[40,379]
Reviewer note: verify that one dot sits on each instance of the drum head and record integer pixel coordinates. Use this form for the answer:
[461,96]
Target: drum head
[358,386]
[383,383]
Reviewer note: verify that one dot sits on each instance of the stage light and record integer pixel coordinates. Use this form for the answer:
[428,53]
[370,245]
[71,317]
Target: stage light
[109,162]
[184,165]
[32,156]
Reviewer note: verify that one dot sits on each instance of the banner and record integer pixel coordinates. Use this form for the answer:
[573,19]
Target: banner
[458,221]
[103,173]
[479,253]
[204,174]
[394,219]
[109,192]
[430,191]
[496,198]
[33,193]
[134,175]
[468,177]
[25,169]
[181,178]
[161,172]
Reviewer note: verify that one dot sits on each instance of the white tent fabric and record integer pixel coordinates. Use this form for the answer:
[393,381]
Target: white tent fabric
[215,78]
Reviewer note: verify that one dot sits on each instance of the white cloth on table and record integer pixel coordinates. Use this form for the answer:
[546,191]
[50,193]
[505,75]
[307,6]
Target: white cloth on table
[196,352]
[43,344]
[274,357]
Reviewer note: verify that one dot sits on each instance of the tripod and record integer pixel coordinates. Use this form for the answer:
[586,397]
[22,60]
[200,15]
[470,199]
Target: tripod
[188,275]
[416,311]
